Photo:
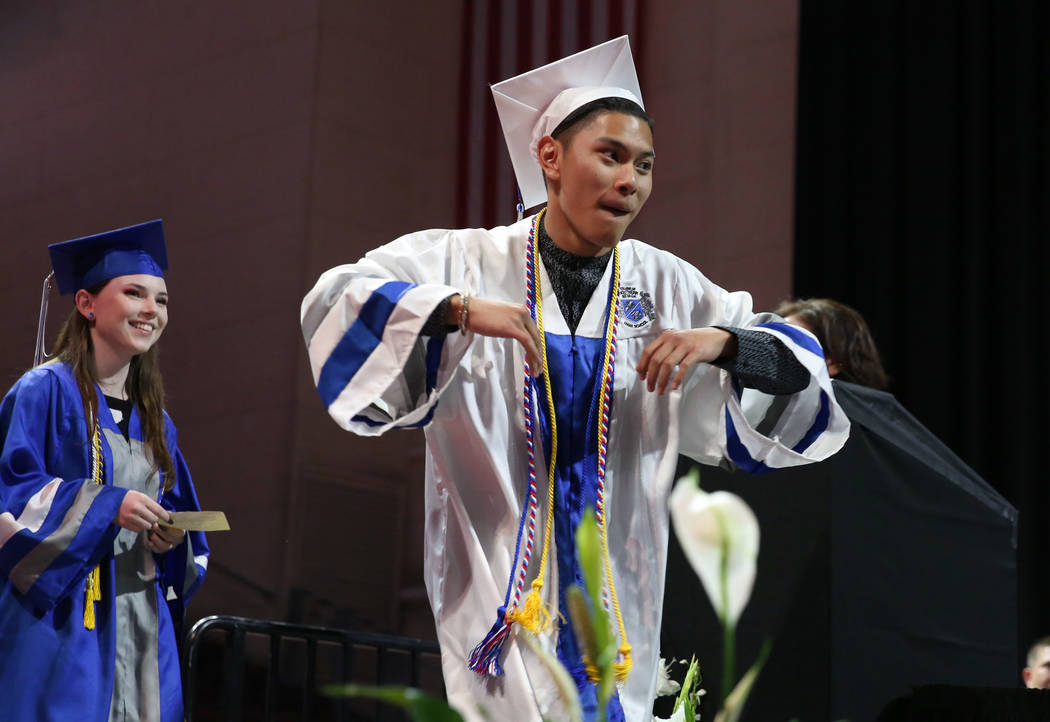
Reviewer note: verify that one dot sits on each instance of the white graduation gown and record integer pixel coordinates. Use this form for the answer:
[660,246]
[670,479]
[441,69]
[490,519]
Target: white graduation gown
[362,324]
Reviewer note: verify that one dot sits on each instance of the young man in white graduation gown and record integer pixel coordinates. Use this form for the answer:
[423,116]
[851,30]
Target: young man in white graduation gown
[556,368]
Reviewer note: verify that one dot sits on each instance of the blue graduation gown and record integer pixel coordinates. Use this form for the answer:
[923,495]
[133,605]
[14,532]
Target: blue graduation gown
[56,525]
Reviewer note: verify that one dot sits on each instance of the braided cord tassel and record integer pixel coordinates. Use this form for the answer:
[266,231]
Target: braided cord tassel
[535,616]
[484,658]
[93,591]
[624,662]
[530,617]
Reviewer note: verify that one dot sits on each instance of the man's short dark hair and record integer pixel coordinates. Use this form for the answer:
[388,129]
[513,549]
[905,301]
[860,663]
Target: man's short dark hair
[575,120]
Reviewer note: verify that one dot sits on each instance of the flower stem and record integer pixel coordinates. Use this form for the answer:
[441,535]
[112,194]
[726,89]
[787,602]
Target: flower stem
[728,627]
[728,658]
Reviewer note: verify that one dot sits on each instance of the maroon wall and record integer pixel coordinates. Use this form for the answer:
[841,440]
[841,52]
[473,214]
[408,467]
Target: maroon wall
[200,114]
[383,160]
[278,139]
[719,78]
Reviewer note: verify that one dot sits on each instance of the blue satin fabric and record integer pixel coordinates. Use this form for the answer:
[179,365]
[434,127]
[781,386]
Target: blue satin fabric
[574,364]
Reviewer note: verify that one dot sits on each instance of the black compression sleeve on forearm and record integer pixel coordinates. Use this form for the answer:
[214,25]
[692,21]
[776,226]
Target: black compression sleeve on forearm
[764,363]
[435,325]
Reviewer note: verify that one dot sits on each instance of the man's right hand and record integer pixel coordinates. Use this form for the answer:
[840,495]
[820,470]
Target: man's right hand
[500,319]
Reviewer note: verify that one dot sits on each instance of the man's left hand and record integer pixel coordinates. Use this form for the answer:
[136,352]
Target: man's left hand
[682,350]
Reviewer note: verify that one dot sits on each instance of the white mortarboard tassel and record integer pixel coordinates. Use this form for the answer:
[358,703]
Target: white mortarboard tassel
[532,104]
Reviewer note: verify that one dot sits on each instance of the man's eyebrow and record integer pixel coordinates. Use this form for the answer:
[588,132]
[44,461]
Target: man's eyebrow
[622,146]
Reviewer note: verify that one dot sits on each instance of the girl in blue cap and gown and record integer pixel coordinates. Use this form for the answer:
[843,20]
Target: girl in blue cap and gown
[93,584]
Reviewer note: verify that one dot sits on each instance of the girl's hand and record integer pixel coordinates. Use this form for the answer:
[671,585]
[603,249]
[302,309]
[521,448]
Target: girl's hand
[162,539]
[138,512]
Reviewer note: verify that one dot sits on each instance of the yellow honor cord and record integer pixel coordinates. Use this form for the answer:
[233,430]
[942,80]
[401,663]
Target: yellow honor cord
[533,615]
[94,594]
[93,590]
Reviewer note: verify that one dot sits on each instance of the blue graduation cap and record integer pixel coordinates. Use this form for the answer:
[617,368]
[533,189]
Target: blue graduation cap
[84,262]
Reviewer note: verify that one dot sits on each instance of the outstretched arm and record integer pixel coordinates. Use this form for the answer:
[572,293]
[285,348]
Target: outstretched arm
[377,331]
[765,404]
[757,360]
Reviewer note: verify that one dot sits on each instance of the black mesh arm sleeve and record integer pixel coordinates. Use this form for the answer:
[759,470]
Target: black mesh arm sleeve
[764,363]
[435,325]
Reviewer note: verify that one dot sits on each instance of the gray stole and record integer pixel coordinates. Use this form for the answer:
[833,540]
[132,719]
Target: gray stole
[136,682]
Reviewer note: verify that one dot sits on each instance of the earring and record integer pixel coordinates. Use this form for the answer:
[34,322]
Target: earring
[91,316]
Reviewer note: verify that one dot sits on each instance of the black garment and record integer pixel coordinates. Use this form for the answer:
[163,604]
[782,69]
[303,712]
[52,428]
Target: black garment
[763,363]
[573,277]
[124,406]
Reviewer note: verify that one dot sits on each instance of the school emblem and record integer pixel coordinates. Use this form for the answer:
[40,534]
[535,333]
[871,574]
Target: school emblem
[636,307]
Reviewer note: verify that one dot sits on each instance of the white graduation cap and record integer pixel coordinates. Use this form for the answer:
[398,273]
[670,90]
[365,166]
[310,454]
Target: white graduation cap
[531,105]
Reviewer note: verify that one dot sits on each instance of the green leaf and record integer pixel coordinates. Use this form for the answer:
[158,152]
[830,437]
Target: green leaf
[421,707]
[733,706]
[689,685]
[562,679]
[583,622]
[589,547]
[595,623]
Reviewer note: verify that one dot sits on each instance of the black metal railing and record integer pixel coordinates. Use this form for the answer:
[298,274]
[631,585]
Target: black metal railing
[249,669]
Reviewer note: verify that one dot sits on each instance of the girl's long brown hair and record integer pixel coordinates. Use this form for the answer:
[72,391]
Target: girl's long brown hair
[145,386]
[844,335]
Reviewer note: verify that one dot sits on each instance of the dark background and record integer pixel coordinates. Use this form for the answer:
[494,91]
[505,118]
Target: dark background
[922,200]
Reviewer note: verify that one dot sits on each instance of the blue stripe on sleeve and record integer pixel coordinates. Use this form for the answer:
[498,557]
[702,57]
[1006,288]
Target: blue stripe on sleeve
[798,337]
[434,348]
[738,453]
[360,340]
[425,420]
[740,456]
[360,418]
[818,427]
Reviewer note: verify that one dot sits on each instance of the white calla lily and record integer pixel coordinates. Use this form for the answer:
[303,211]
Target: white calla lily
[719,535]
[664,684]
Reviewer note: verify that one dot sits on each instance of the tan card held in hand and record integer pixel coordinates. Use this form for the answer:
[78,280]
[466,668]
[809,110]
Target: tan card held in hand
[198,521]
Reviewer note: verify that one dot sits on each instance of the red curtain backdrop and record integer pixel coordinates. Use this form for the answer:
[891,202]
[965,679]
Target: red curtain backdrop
[502,39]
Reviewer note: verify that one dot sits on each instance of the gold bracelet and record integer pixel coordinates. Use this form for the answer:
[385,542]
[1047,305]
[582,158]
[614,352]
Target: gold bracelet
[464,312]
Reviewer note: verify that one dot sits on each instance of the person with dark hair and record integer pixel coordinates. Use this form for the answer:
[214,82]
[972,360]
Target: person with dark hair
[843,333]
[93,579]
[557,367]
[1036,674]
